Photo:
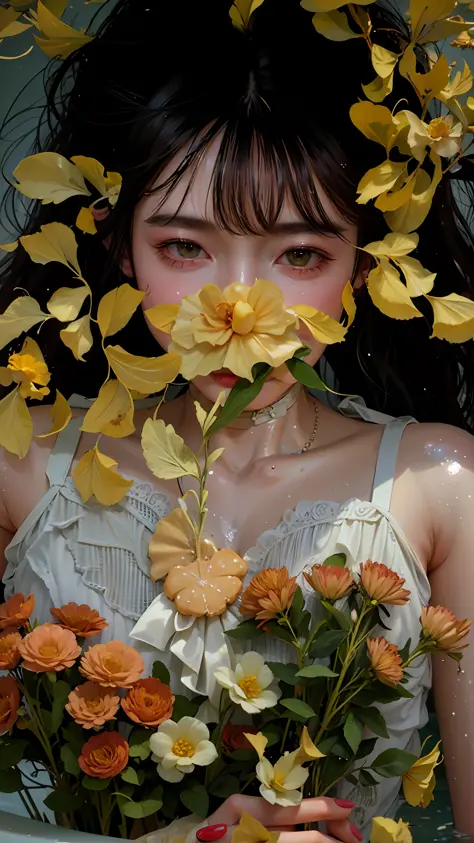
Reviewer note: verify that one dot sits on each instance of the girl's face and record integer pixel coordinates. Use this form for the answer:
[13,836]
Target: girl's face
[176,258]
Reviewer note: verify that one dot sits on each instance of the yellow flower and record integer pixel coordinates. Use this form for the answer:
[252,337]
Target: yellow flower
[385,830]
[443,629]
[463,40]
[440,134]
[249,830]
[28,369]
[419,781]
[234,329]
[280,784]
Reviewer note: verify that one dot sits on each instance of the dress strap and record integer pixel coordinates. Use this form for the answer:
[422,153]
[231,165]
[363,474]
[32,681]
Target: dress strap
[387,460]
[63,451]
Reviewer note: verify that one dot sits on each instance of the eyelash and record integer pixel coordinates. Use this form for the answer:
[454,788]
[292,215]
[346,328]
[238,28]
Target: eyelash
[180,263]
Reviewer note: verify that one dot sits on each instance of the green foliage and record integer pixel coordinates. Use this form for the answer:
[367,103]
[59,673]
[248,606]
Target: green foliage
[159,671]
[196,800]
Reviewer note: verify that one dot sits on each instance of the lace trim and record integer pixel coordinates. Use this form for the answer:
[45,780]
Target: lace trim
[141,499]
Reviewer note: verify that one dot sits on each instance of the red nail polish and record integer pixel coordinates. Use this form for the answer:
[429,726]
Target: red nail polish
[356,832]
[344,803]
[211,833]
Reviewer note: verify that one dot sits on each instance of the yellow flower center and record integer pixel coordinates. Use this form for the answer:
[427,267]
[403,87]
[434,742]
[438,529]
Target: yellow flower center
[49,651]
[439,128]
[25,363]
[250,686]
[113,665]
[94,704]
[243,318]
[183,748]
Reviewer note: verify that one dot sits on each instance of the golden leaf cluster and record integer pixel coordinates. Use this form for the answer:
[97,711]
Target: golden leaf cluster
[56,39]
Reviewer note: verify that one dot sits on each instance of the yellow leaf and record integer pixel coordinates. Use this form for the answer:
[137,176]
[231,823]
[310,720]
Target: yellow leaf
[9,247]
[77,336]
[380,88]
[348,303]
[324,328]
[393,245]
[423,14]
[461,84]
[206,420]
[329,5]
[241,11]
[20,316]
[50,177]
[383,61]
[258,741]
[385,830]
[389,294]
[442,29]
[66,302]
[163,316]
[96,475]
[92,170]
[334,26]
[250,830]
[111,413]
[145,374]
[55,242]
[394,199]
[116,308]
[166,454]
[428,84]
[375,122]
[6,377]
[172,543]
[60,413]
[308,750]
[85,221]
[453,317]
[418,280]
[410,215]
[60,39]
[16,427]
[379,179]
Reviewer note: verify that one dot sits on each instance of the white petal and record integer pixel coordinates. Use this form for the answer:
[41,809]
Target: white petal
[225,677]
[184,762]
[265,677]
[169,761]
[267,699]
[291,797]
[170,775]
[238,697]
[204,754]
[161,744]
[169,727]
[264,772]
[251,706]
[268,794]
[186,768]
[252,663]
[193,730]
[296,778]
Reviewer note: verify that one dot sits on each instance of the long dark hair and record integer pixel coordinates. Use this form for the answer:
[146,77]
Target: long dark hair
[162,77]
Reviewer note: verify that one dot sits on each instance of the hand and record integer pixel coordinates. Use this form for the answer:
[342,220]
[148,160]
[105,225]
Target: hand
[284,820]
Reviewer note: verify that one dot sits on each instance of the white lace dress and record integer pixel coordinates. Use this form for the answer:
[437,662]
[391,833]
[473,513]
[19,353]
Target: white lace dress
[67,550]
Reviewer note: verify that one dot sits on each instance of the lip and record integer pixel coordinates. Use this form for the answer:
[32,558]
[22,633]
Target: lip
[225,378]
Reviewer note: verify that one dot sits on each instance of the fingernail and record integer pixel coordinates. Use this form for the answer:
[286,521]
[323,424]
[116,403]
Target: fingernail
[211,832]
[344,803]
[356,832]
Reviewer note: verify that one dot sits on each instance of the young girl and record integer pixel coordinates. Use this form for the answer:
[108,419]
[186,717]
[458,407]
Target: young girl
[239,161]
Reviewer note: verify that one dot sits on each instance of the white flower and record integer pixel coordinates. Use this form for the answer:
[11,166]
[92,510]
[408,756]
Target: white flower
[440,134]
[280,783]
[250,684]
[178,747]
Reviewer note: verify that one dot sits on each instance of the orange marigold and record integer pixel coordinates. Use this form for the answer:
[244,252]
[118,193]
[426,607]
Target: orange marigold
[383,585]
[9,655]
[91,705]
[9,703]
[268,594]
[386,661]
[104,755]
[49,648]
[150,702]
[16,611]
[444,629]
[330,581]
[81,620]
[114,665]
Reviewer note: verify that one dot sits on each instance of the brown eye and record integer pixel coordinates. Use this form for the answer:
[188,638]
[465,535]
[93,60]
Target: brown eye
[299,258]
[187,250]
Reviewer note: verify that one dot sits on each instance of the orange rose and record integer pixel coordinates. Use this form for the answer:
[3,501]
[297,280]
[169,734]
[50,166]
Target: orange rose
[330,581]
[81,620]
[113,665]
[16,611]
[383,585]
[9,655]
[104,755]
[150,702]
[385,661]
[268,594]
[442,628]
[91,705]
[9,703]
[49,648]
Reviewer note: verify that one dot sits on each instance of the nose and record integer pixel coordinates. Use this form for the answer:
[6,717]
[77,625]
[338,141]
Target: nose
[242,267]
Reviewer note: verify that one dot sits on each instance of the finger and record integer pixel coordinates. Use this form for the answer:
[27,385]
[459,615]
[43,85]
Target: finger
[319,808]
[305,837]
[344,830]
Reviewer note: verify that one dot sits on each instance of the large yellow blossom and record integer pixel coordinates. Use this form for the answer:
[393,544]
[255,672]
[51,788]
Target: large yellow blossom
[419,781]
[234,329]
[440,134]
[385,830]
[28,369]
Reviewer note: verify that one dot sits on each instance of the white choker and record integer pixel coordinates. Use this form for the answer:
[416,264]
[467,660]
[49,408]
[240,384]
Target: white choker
[255,417]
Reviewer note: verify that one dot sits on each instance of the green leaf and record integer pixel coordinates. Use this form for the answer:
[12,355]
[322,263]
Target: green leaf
[245,631]
[386,694]
[303,625]
[69,759]
[61,801]
[302,352]
[393,762]
[280,632]
[333,769]
[297,608]
[52,677]
[298,707]
[91,783]
[133,776]
[196,799]
[324,645]
[170,807]
[139,744]
[75,736]
[61,691]
[242,755]
[145,808]
[366,748]
[183,707]
[315,671]
[224,786]
[240,396]
[353,731]
[337,560]
[286,672]
[367,779]
[374,720]
[325,745]
[10,781]
[405,651]
[305,374]
[11,752]
[159,671]
[344,621]
[272,734]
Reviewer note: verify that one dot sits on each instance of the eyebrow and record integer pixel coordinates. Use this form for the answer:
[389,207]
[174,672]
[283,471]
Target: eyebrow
[201,224]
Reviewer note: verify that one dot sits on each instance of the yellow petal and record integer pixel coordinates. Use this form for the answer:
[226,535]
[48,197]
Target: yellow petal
[453,317]
[375,122]
[389,294]
[92,170]
[385,830]
[30,346]
[241,11]
[334,26]
[428,796]
[308,750]
[413,213]
[96,475]
[50,177]
[166,454]
[250,830]
[419,280]
[144,374]
[6,377]
[162,316]
[393,245]
[60,414]
[380,88]
[383,61]
[258,741]
[55,242]
[379,179]
[85,221]
[117,307]
[77,336]
[20,316]
[60,39]
[111,413]
[461,84]
[16,427]
[66,302]
[324,328]
[171,544]
[9,247]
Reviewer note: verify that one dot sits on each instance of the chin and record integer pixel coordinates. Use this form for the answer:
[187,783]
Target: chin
[273,389]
